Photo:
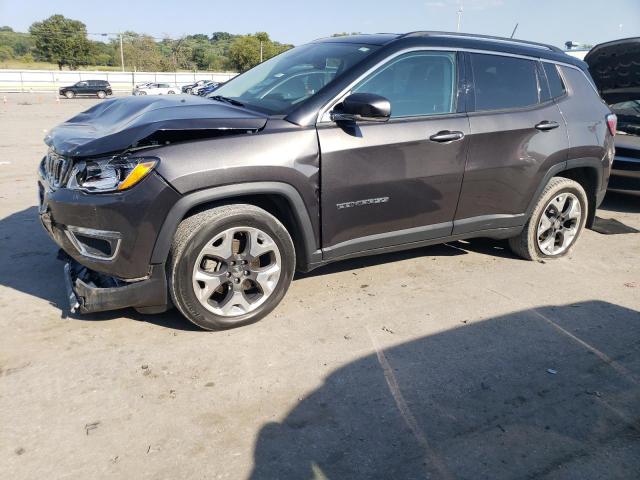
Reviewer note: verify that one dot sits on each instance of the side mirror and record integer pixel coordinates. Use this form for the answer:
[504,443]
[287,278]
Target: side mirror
[362,107]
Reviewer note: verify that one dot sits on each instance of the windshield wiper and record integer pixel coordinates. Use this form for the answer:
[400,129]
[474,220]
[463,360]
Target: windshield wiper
[220,98]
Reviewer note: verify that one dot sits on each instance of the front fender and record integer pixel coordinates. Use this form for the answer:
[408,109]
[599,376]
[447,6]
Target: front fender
[309,238]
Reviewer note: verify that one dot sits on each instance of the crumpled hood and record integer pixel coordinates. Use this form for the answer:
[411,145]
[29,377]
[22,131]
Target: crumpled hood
[615,67]
[120,123]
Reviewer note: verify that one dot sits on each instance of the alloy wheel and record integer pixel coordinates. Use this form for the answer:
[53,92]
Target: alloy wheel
[559,224]
[236,271]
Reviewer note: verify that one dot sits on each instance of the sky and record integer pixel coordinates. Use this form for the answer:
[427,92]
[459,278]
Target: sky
[297,21]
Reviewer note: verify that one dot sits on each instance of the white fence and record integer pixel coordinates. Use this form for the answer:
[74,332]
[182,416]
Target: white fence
[51,80]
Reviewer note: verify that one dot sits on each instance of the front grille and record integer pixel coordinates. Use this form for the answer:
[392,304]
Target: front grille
[56,169]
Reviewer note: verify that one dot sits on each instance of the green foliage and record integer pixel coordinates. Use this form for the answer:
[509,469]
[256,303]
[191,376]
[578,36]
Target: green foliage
[244,52]
[5,53]
[61,40]
[64,41]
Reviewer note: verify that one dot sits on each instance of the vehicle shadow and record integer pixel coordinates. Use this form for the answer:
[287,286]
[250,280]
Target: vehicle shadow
[552,392]
[28,264]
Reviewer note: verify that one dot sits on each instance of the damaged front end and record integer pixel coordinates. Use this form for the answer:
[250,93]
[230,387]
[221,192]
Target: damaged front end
[89,291]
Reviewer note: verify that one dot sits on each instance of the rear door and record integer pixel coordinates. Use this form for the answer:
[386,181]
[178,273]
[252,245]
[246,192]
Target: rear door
[516,134]
[397,182]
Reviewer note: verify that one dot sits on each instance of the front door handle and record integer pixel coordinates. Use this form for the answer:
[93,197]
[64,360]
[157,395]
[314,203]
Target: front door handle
[446,136]
[547,125]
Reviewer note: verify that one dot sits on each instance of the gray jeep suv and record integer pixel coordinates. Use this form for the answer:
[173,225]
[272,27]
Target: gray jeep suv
[339,148]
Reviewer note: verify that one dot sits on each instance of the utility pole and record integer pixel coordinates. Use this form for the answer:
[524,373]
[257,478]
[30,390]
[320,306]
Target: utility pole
[260,51]
[121,52]
[459,18]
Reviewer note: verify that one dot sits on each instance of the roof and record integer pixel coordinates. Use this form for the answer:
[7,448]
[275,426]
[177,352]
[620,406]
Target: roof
[463,40]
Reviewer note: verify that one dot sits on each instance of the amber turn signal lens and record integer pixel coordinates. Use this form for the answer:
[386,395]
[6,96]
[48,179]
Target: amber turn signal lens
[138,173]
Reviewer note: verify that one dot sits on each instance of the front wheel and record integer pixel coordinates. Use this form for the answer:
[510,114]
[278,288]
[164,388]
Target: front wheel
[69,94]
[230,266]
[171,92]
[556,222]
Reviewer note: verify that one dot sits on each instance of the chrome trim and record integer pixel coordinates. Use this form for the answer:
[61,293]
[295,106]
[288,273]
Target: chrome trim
[55,169]
[321,119]
[70,231]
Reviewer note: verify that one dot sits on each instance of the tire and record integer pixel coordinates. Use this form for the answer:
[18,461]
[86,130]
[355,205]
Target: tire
[553,236]
[240,297]
[101,94]
[171,92]
[188,90]
[142,93]
[69,94]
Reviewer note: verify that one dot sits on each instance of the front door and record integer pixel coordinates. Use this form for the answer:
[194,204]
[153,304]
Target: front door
[397,182]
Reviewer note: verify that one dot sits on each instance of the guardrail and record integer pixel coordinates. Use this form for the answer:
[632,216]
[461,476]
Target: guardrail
[51,80]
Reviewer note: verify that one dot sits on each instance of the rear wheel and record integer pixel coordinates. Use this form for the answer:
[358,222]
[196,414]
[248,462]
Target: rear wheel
[101,94]
[69,94]
[230,266]
[556,222]
[171,92]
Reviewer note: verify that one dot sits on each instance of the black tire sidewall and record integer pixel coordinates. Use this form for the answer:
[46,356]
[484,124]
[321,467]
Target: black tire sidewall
[582,198]
[182,276]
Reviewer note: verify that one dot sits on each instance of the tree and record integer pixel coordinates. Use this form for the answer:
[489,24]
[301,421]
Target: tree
[61,40]
[244,53]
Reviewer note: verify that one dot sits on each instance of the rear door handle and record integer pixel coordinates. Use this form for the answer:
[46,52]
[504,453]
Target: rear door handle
[547,125]
[446,136]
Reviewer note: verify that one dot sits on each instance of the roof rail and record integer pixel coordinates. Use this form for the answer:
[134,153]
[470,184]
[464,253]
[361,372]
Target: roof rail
[513,41]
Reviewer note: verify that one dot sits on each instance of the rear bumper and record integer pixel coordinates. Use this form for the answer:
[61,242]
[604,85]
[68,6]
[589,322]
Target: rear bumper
[89,291]
[625,175]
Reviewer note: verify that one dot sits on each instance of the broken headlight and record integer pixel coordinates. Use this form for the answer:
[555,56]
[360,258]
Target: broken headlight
[110,174]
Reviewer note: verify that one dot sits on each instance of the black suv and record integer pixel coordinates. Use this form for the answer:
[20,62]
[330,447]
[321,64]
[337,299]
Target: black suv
[98,88]
[339,148]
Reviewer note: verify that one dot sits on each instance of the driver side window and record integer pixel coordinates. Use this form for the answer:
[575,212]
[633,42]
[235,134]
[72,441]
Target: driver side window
[416,84]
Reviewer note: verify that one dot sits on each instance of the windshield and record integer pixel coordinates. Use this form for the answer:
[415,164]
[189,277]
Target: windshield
[628,114]
[284,81]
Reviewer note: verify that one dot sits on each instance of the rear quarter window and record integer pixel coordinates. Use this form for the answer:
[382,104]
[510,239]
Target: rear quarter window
[556,85]
[504,82]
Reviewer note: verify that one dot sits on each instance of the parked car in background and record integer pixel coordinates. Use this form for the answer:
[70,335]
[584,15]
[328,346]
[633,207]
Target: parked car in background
[97,88]
[212,204]
[157,89]
[615,68]
[196,90]
[204,91]
[189,87]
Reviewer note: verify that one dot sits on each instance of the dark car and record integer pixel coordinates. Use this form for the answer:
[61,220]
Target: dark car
[98,88]
[339,148]
[191,86]
[204,91]
[615,67]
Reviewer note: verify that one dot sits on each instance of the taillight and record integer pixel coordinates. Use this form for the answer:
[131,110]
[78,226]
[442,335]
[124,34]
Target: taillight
[612,121]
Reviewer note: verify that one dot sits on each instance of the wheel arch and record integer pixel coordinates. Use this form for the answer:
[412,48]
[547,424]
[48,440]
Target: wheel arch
[586,171]
[279,199]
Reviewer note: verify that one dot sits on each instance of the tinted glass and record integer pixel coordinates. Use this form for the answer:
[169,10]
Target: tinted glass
[419,83]
[504,82]
[555,82]
[283,82]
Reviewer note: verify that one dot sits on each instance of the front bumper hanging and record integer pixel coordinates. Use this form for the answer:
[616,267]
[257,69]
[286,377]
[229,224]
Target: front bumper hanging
[89,291]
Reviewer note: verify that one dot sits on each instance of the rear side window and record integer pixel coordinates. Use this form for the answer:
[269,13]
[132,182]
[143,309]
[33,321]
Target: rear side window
[504,82]
[556,85]
[416,84]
